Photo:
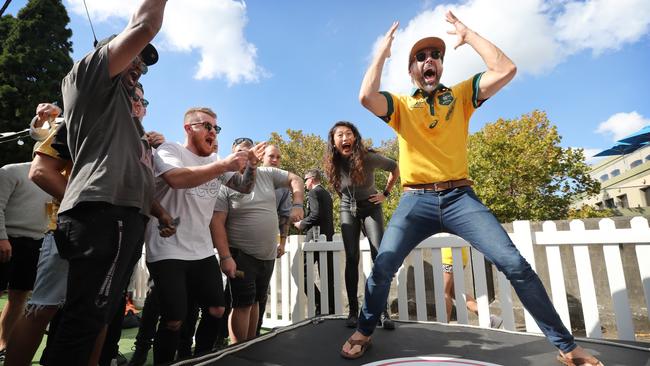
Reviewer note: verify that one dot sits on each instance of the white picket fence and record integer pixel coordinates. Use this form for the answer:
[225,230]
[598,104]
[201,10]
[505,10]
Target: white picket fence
[288,303]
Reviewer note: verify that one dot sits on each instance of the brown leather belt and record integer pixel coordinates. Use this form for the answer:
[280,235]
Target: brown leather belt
[440,186]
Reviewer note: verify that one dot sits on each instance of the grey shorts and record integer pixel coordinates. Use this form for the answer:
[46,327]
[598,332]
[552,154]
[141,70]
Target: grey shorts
[51,277]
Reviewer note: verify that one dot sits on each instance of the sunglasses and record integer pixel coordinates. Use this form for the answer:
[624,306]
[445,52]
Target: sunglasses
[140,65]
[241,140]
[208,126]
[307,178]
[136,98]
[421,56]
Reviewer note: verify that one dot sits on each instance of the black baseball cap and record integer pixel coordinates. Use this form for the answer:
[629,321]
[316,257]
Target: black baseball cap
[149,54]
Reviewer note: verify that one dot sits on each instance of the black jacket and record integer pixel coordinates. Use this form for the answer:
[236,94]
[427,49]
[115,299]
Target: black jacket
[319,212]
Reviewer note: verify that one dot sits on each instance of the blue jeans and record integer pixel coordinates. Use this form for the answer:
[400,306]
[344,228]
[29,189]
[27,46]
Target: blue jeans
[422,213]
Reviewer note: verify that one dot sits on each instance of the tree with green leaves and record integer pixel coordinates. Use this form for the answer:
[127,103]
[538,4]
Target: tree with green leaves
[35,52]
[521,171]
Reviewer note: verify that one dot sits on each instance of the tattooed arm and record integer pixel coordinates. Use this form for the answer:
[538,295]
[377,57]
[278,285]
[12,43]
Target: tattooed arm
[243,183]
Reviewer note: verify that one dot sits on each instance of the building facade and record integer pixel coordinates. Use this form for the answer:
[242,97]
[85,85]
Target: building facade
[625,182]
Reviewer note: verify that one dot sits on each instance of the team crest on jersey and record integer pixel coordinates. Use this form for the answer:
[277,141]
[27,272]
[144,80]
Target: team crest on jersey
[445,98]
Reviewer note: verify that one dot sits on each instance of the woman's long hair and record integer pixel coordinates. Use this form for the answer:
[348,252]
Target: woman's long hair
[334,160]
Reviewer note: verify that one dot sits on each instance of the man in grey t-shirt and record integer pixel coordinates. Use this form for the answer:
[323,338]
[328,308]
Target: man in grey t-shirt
[102,217]
[253,250]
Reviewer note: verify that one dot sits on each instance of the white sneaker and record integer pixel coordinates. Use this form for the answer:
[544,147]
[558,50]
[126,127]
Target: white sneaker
[495,321]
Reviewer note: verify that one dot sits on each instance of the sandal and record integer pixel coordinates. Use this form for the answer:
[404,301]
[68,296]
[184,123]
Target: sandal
[577,361]
[365,344]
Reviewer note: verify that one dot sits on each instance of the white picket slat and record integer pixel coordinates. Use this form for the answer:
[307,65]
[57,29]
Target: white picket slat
[586,285]
[459,286]
[524,242]
[438,285]
[402,296]
[480,283]
[556,275]
[617,288]
[420,294]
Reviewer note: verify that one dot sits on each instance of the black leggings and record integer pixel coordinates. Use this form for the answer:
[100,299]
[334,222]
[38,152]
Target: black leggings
[369,217]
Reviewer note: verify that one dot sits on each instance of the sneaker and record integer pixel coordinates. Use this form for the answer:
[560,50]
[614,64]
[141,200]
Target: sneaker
[3,353]
[352,320]
[139,357]
[495,321]
[385,321]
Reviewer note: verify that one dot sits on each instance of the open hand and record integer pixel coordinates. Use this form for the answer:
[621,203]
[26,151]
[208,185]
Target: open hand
[387,42]
[460,30]
[256,153]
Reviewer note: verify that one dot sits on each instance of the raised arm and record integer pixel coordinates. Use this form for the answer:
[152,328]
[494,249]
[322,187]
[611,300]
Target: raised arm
[369,95]
[44,112]
[244,183]
[189,177]
[143,27]
[500,69]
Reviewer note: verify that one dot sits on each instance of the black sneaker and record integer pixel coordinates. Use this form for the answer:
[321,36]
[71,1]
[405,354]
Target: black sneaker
[352,320]
[385,321]
[139,357]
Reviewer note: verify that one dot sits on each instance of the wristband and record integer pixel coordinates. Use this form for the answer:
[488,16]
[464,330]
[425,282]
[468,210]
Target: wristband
[297,205]
[386,193]
[225,257]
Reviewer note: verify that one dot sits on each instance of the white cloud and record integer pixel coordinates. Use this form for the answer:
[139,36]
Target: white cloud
[535,34]
[602,25]
[589,155]
[223,48]
[620,125]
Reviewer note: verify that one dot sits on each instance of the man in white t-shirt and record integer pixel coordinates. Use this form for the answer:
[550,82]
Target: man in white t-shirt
[184,267]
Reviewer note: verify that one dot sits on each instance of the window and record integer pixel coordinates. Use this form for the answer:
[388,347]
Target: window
[636,163]
[604,177]
[647,158]
[615,172]
[599,205]
[609,203]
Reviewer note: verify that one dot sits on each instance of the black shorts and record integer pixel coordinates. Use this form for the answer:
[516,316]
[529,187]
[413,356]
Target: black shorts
[20,272]
[179,282]
[255,284]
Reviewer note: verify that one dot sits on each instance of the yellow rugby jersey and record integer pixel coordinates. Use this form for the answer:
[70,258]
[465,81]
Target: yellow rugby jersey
[448,259]
[46,148]
[432,131]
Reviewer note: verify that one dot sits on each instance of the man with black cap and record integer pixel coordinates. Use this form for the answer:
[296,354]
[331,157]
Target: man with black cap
[102,216]
[432,126]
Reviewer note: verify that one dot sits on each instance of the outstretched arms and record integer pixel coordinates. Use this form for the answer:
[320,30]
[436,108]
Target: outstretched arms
[369,95]
[143,27]
[500,69]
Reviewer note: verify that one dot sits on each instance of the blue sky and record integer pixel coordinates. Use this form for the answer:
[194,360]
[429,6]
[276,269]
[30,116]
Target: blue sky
[266,66]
